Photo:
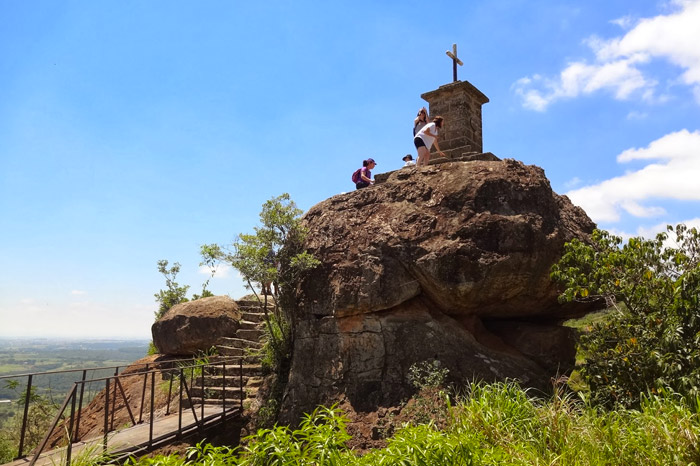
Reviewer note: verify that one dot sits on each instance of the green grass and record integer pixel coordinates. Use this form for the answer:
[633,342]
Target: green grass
[586,322]
[490,425]
[11,368]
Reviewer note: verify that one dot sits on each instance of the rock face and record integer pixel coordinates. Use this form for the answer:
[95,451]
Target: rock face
[447,262]
[195,326]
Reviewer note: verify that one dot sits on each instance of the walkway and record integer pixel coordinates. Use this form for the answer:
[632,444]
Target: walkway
[135,438]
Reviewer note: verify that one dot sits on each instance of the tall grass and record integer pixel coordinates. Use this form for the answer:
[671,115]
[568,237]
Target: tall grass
[488,425]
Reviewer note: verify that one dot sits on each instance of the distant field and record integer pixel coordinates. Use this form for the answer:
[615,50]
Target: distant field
[40,355]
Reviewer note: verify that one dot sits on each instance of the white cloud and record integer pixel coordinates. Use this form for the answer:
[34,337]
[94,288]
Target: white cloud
[625,22]
[672,176]
[221,270]
[651,232]
[673,37]
[78,292]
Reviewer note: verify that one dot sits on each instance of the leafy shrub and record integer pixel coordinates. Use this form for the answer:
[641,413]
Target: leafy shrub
[492,424]
[430,404]
[427,374]
[651,340]
[320,439]
[40,414]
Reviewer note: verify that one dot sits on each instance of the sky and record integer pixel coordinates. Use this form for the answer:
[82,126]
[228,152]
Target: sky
[134,131]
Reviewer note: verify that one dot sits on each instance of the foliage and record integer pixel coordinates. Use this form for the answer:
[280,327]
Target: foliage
[491,424]
[39,417]
[429,404]
[195,367]
[273,259]
[320,439]
[427,374]
[651,340]
[272,357]
[174,293]
[151,349]
[8,450]
[208,254]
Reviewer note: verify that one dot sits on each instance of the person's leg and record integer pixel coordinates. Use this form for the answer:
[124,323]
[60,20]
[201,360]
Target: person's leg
[423,156]
[418,142]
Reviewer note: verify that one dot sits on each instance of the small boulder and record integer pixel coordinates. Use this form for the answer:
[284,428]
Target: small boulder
[195,326]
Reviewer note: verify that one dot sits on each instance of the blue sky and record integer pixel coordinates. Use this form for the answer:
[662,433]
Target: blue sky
[135,131]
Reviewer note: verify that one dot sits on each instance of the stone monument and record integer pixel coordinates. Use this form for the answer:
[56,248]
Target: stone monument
[460,104]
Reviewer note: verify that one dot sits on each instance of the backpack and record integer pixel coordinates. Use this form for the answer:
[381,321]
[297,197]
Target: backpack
[356,176]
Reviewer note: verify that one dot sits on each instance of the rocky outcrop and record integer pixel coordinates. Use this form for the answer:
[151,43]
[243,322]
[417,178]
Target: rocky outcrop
[195,326]
[447,262]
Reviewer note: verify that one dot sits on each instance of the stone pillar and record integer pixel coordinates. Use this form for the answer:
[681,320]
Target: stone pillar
[459,103]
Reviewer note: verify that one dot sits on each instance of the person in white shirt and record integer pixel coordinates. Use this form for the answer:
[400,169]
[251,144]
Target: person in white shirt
[425,138]
[408,158]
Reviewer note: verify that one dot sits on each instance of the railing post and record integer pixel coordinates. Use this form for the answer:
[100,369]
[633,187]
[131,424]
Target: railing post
[71,396]
[240,378]
[202,382]
[143,394]
[223,403]
[114,398]
[69,448]
[153,391]
[170,392]
[179,407]
[106,426]
[80,405]
[27,397]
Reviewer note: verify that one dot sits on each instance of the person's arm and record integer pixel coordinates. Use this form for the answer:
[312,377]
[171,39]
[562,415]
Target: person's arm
[437,148]
[364,178]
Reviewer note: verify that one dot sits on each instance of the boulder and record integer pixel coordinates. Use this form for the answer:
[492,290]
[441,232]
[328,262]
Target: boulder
[195,326]
[448,262]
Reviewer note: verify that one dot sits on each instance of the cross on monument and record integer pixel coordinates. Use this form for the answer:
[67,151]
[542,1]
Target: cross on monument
[455,61]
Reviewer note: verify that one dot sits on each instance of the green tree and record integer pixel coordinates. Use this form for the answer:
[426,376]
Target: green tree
[209,254]
[174,293]
[272,258]
[39,417]
[652,339]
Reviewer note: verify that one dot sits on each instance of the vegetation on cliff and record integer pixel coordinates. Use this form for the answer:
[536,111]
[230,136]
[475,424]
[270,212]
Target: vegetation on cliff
[490,424]
[650,341]
[272,258]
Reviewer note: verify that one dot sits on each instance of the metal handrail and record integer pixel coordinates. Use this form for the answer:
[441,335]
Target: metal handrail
[114,388]
[64,371]
[31,376]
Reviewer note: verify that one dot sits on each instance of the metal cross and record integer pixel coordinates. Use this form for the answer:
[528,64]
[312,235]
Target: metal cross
[455,61]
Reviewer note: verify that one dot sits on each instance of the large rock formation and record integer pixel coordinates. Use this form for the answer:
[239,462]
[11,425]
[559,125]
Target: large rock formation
[195,326]
[447,262]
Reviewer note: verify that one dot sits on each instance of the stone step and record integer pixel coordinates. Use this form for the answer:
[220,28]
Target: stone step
[249,325]
[249,334]
[217,393]
[248,356]
[239,343]
[249,303]
[233,381]
[246,353]
[254,316]
[235,370]
[254,382]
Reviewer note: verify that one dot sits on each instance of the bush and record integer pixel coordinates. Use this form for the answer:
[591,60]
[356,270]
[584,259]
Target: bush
[427,374]
[651,341]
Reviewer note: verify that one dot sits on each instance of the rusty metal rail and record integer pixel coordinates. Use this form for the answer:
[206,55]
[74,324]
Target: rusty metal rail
[179,370]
